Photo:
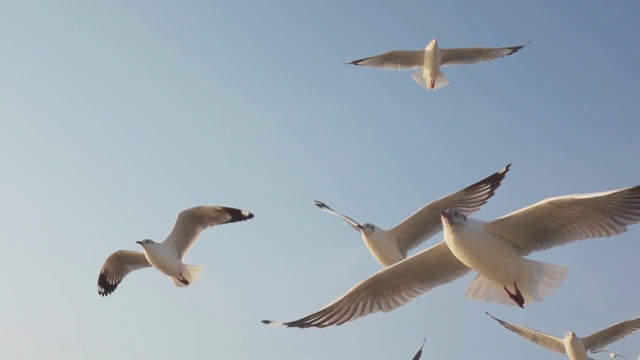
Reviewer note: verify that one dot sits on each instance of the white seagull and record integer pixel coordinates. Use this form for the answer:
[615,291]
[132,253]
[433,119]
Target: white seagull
[495,249]
[167,256]
[549,223]
[391,246]
[576,347]
[431,59]
[611,354]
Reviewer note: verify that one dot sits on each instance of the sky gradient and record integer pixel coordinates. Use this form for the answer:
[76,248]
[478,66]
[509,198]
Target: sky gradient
[118,115]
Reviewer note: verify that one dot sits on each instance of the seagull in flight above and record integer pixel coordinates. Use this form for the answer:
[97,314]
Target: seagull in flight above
[167,256]
[499,246]
[391,246]
[431,59]
[576,347]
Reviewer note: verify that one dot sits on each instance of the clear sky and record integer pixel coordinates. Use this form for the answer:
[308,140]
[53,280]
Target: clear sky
[117,115]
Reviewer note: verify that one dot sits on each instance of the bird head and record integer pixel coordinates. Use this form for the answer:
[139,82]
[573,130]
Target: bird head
[453,217]
[368,228]
[432,44]
[145,242]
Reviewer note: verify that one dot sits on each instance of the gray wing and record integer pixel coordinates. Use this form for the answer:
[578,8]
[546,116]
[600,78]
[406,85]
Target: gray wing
[419,353]
[545,340]
[117,266]
[356,225]
[394,60]
[426,222]
[388,289]
[192,222]
[611,334]
[466,56]
[565,219]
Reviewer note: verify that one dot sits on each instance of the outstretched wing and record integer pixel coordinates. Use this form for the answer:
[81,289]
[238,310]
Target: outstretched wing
[192,222]
[548,341]
[565,219]
[356,225]
[467,56]
[393,60]
[611,334]
[426,222]
[388,289]
[117,266]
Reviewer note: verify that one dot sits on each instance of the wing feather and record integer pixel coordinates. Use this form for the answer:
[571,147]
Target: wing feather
[562,220]
[193,221]
[388,289]
[545,340]
[116,267]
[611,334]
[426,222]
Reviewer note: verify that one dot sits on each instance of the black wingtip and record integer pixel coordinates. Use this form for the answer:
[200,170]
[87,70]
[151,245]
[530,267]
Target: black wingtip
[356,62]
[104,287]
[320,204]
[266,322]
[238,214]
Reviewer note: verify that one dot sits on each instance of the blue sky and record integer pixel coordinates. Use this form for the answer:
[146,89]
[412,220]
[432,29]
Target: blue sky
[118,115]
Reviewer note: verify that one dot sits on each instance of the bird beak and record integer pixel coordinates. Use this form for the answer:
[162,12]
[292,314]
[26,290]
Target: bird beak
[139,242]
[445,214]
[360,226]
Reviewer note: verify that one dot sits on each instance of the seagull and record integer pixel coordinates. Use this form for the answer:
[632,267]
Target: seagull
[550,223]
[419,353]
[167,256]
[576,347]
[391,246]
[431,59]
[495,249]
[611,354]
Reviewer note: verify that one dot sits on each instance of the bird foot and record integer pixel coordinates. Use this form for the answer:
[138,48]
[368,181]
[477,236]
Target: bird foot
[517,297]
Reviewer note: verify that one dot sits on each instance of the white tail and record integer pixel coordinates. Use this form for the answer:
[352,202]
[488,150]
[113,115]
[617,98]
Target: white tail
[190,273]
[536,281]
[423,78]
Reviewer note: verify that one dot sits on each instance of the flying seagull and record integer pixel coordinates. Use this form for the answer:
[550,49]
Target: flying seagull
[419,353]
[550,223]
[495,249]
[167,256]
[391,246]
[611,354]
[576,347]
[431,59]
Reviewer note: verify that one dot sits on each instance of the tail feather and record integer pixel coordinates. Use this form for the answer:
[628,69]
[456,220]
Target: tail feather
[190,274]
[536,281]
[423,78]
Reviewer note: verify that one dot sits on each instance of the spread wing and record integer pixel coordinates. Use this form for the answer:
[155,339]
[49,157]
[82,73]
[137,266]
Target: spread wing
[394,60]
[611,334]
[192,222]
[466,56]
[356,225]
[117,266]
[388,289]
[565,219]
[426,222]
[548,341]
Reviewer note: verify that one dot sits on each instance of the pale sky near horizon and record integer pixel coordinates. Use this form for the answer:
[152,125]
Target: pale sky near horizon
[118,115]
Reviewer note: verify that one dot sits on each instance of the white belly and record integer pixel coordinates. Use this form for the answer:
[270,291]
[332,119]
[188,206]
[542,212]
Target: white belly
[492,257]
[163,260]
[575,349]
[383,250]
